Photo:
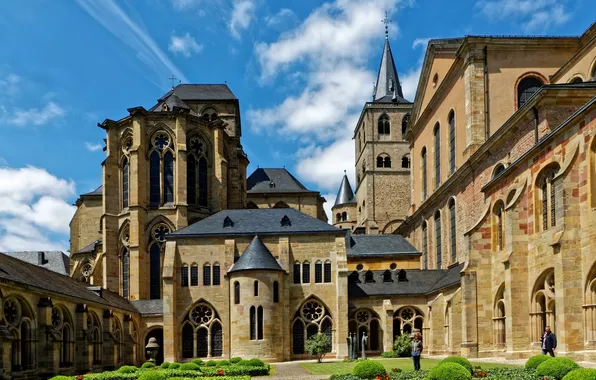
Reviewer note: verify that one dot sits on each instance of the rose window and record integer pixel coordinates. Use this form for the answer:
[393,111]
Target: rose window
[86,269]
[160,232]
[12,311]
[201,315]
[197,146]
[407,314]
[56,318]
[312,311]
[161,140]
[362,316]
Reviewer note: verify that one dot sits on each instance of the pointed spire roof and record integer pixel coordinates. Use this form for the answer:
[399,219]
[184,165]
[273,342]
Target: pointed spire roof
[387,88]
[345,194]
[256,257]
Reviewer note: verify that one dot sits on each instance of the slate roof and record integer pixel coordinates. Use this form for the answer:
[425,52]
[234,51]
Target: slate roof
[148,308]
[256,257]
[419,283]
[201,92]
[387,80]
[345,194]
[89,248]
[56,261]
[274,180]
[265,221]
[378,245]
[24,274]
[98,191]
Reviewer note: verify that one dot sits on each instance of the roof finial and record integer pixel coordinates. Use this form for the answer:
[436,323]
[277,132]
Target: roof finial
[172,78]
[386,21]
[344,171]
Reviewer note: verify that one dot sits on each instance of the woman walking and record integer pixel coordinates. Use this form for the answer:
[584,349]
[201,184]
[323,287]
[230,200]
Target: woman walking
[416,350]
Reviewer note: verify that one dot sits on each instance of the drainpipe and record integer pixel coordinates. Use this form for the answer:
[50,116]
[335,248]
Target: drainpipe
[486,100]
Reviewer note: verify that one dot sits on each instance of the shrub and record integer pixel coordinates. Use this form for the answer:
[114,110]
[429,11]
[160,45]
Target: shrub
[318,345]
[223,363]
[459,360]
[556,368]
[165,365]
[411,375]
[60,378]
[111,376]
[243,363]
[152,375]
[198,362]
[211,363]
[581,374]
[235,360]
[188,374]
[344,377]
[174,366]
[256,363]
[236,370]
[148,365]
[127,369]
[403,345]
[189,367]
[449,371]
[369,369]
[535,361]
[389,354]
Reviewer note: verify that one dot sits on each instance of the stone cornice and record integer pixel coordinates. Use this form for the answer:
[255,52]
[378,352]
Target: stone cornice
[587,45]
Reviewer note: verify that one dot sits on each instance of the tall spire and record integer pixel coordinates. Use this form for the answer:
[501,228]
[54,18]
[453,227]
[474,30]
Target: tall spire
[387,79]
[345,193]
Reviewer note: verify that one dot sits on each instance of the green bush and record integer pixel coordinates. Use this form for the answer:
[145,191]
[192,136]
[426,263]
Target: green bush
[369,369]
[556,368]
[255,363]
[449,371]
[148,365]
[198,362]
[459,360]
[211,363]
[581,374]
[344,377]
[243,363]
[209,378]
[165,365]
[535,361]
[127,369]
[403,345]
[510,374]
[235,360]
[152,375]
[389,354]
[60,378]
[188,374]
[174,366]
[237,370]
[223,363]
[115,375]
[318,345]
[189,367]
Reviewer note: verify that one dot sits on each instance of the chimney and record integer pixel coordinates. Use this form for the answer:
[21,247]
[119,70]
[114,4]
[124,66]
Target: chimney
[41,258]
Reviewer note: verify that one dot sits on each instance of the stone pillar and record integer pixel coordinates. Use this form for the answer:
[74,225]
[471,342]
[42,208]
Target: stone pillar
[340,322]
[107,348]
[387,323]
[180,197]
[475,101]
[45,346]
[218,196]
[82,353]
[170,315]
[469,304]
[127,342]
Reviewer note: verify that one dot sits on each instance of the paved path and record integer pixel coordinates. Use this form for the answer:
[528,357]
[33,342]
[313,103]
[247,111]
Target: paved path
[291,371]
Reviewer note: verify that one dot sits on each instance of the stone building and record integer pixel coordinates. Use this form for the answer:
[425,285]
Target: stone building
[502,146]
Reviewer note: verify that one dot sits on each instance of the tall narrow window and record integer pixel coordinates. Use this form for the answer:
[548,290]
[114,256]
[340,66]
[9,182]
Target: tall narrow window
[256,288]
[384,127]
[161,175]
[296,271]
[498,226]
[548,197]
[191,180]
[438,239]
[404,126]
[154,175]
[424,173]
[203,183]
[184,276]
[155,271]
[216,274]
[306,273]
[327,271]
[387,162]
[197,176]
[206,275]
[526,88]
[437,133]
[451,142]
[236,293]
[318,272]
[125,273]
[125,183]
[253,322]
[168,182]
[194,275]
[453,229]
[260,323]
[275,291]
[425,245]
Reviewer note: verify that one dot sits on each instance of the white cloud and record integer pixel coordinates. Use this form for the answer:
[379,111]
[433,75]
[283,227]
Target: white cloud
[91,147]
[409,82]
[420,42]
[242,15]
[533,14]
[33,116]
[185,45]
[117,22]
[325,166]
[327,206]
[280,17]
[10,85]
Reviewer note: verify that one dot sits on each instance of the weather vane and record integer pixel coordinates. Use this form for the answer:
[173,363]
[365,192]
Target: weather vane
[172,78]
[386,21]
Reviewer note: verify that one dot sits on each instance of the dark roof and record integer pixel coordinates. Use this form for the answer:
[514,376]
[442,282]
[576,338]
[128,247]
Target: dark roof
[378,245]
[148,307]
[172,101]
[201,92]
[98,191]
[256,257]
[345,194]
[265,221]
[89,248]
[56,261]
[274,180]
[392,99]
[419,283]
[21,273]
[387,80]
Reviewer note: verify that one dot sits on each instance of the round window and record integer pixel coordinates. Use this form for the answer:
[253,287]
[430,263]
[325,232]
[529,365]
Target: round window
[435,80]
[393,266]
[359,267]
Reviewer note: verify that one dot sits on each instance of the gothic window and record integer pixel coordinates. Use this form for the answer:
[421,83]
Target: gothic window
[451,119]
[275,291]
[590,305]
[437,134]
[405,162]
[194,275]
[306,272]
[203,324]
[498,226]
[499,168]
[318,272]
[344,216]
[453,229]
[526,88]
[384,126]
[327,271]
[197,180]
[425,245]
[365,321]
[236,293]
[184,276]
[62,324]
[216,274]
[216,339]
[154,179]
[296,271]
[379,162]
[125,183]
[387,162]
[406,320]
[256,288]
[207,275]
[94,326]
[338,217]
[156,246]
[547,205]
[298,337]
[404,125]
[168,178]
[500,337]
[543,310]
[252,321]
[209,114]
[260,323]
[423,172]
[125,261]
[438,239]
[310,319]
[161,170]
[187,341]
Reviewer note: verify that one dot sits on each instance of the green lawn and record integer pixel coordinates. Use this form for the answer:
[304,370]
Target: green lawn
[330,368]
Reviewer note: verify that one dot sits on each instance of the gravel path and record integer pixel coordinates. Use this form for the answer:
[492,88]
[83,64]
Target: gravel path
[291,371]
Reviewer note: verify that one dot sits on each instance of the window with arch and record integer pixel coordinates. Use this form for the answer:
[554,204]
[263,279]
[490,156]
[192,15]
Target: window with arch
[296,271]
[94,326]
[542,312]
[275,292]
[194,275]
[404,126]
[209,114]
[526,88]
[453,230]
[125,261]
[62,324]
[384,127]
[576,80]
[406,320]
[405,162]
[253,323]
[499,168]
[344,216]
[197,172]
[156,247]
[451,119]
[447,322]
[437,135]
[318,272]
[438,251]
[256,288]
[499,330]
[117,339]
[236,293]
[19,319]
[423,173]
[546,205]
[366,321]
[338,217]
[424,245]
[327,271]
[201,332]
[306,272]
[260,323]
[206,274]
[184,276]
[383,161]
[216,274]
[590,305]
[125,171]
[311,318]
[498,225]
[161,170]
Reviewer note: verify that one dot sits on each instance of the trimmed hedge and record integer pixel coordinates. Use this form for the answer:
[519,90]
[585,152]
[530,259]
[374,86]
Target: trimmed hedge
[174,366]
[211,363]
[61,378]
[209,378]
[235,360]
[535,361]
[189,367]
[556,368]
[127,369]
[152,375]
[449,371]
[255,363]
[344,377]
[113,375]
[148,365]
[389,354]
[223,363]
[198,362]
[581,374]
[165,365]
[459,360]
[236,370]
[369,369]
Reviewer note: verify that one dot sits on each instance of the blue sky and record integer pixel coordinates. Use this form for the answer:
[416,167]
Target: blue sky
[301,69]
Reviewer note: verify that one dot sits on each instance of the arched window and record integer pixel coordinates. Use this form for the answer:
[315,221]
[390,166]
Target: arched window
[161,170]
[404,125]
[260,323]
[184,276]
[500,332]
[576,80]
[438,239]
[253,321]
[205,325]
[338,217]
[406,320]
[384,126]
[275,291]
[296,271]
[344,216]
[379,162]
[543,310]
[387,162]
[547,199]
[383,161]
[306,272]
[309,320]
[365,321]
[158,233]
[62,323]
[526,88]
[437,134]
[498,226]
[194,275]
[154,179]
[94,326]
[197,181]
[125,261]
[206,274]
[125,183]
[318,272]
[236,293]
[187,341]
[499,168]
[453,228]
[423,173]
[327,271]
[451,119]
[168,184]
[256,288]
[216,274]
[424,245]
[405,162]
[209,114]
[203,183]
[298,337]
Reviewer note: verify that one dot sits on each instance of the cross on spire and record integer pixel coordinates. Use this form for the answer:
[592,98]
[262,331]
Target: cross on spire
[386,21]
[173,79]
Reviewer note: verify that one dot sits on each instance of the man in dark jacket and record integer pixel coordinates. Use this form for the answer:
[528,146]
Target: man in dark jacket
[549,342]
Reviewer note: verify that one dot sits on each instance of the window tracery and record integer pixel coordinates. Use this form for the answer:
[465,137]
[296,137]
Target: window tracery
[311,318]
[161,170]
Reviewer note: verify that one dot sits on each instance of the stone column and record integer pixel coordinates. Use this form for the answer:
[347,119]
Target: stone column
[469,346]
[180,171]
[82,353]
[107,350]
[127,342]
[45,347]
[387,322]
[170,315]
[474,88]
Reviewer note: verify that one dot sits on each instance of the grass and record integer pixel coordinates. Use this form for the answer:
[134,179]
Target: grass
[330,368]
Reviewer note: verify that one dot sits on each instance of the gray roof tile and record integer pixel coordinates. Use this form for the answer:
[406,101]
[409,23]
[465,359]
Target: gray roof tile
[201,92]
[387,80]
[378,245]
[56,261]
[256,257]
[274,180]
[89,248]
[345,194]
[148,307]
[98,191]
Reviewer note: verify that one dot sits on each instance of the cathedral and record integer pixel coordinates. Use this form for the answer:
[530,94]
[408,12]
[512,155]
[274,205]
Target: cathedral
[471,220]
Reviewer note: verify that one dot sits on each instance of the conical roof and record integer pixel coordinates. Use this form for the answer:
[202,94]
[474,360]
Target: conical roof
[388,87]
[345,194]
[256,257]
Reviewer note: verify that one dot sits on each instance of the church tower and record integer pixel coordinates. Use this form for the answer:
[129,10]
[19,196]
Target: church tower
[382,154]
[344,208]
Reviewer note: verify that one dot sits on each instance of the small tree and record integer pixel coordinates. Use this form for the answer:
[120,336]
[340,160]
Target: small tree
[403,345]
[318,345]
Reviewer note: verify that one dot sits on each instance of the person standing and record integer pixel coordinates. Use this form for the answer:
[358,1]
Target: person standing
[549,342]
[416,350]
